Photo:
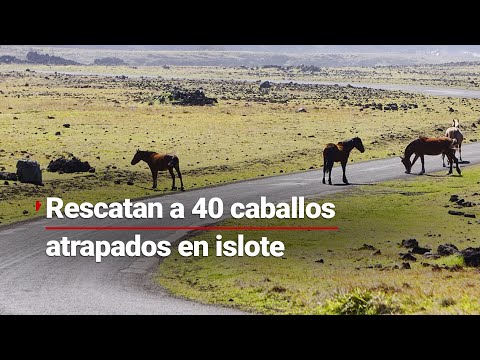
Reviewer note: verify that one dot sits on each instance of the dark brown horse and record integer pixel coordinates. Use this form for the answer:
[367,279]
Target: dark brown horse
[159,162]
[339,153]
[430,146]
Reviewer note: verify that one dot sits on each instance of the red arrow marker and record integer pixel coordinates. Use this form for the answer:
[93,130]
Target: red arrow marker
[38,204]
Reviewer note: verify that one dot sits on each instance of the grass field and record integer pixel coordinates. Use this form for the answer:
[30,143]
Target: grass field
[248,134]
[329,273]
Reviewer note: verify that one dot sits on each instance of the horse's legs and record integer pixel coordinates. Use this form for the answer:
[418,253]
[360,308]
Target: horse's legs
[180,176]
[344,165]
[414,159]
[154,176]
[443,159]
[170,170]
[460,150]
[422,158]
[324,168]
[454,159]
[330,167]
[450,159]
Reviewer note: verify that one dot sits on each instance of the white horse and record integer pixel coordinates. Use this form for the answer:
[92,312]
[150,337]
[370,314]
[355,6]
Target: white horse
[455,134]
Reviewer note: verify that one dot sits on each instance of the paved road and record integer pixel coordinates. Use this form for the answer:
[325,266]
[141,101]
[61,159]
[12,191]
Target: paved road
[32,283]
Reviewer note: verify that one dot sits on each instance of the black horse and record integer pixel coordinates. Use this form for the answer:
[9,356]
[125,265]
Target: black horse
[339,153]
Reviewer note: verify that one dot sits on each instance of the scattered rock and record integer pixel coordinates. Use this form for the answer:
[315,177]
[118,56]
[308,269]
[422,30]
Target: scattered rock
[68,166]
[188,98]
[66,126]
[301,110]
[378,252]
[454,198]
[408,257]
[419,250]
[265,85]
[436,267]
[431,255]
[25,212]
[447,249]
[130,183]
[406,266]
[367,247]
[473,216]
[409,243]
[454,212]
[8,176]
[58,133]
[319,261]
[471,256]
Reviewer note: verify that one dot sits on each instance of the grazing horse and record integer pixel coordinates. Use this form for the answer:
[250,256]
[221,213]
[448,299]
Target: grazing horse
[159,162]
[339,153]
[454,133]
[430,146]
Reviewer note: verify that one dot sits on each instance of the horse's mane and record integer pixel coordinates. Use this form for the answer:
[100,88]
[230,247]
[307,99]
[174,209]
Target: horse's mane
[146,152]
[350,140]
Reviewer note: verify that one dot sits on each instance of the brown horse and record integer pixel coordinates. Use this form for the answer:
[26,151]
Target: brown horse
[339,153]
[430,146]
[159,162]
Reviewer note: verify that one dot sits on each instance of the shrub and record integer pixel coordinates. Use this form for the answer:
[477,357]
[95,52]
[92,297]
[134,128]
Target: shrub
[362,302]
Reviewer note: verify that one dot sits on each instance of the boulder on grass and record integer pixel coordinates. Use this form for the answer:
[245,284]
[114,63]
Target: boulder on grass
[29,172]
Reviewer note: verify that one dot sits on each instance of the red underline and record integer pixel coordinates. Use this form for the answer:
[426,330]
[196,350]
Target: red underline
[203,228]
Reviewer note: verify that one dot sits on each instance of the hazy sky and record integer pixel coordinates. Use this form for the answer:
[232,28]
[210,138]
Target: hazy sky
[409,49]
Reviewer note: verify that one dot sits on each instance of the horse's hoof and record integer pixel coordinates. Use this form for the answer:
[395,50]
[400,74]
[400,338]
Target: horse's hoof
[329,183]
[173,188]
[444,165]
[182,189]
[323,181]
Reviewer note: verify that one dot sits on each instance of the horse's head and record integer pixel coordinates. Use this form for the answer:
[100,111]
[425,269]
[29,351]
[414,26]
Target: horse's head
[137,157]
[357,143]
[408,165]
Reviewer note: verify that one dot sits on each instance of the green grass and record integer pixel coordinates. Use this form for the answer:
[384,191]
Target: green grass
[247,135]
[349,281]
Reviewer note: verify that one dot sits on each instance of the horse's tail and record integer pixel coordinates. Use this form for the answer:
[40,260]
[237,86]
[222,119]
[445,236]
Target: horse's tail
[454,143]
[174,162]
[327,160]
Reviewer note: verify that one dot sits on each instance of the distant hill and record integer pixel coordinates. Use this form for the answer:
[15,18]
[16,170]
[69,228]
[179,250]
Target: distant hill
[246,55]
